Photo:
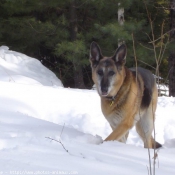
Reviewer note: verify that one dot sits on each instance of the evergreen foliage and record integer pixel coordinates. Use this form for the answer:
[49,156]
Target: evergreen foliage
[42,29]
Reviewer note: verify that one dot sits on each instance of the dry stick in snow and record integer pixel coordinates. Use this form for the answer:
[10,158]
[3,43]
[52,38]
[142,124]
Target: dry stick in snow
[62,130]
[62,143]
[154,48]
[148,170]
[156,157]
[149,154]
[158,59]
[154,133]
[59,141]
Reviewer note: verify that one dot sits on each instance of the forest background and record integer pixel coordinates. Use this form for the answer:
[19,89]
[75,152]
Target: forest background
[59,34]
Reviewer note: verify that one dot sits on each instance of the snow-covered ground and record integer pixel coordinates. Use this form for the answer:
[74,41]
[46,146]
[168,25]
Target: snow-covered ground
[34,107]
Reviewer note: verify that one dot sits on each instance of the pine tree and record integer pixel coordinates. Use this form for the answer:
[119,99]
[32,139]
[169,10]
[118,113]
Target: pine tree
[60,32]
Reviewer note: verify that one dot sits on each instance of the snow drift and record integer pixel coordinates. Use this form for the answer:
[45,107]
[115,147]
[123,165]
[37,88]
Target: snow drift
[35,107]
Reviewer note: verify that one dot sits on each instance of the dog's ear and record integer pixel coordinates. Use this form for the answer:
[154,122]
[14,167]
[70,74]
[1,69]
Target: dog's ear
[95,54]
[120,55]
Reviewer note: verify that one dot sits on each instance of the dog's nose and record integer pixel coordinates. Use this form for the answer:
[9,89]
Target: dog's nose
[104,90]
[104,86]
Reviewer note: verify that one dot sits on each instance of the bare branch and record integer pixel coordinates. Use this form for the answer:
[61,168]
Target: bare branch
[161,36]
[147,64]
[62,130]
[161,42]
[58,142]
[135,57]
[146,47]
[163,51]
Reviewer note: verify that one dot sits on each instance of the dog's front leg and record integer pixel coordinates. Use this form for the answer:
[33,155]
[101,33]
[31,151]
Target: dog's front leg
[121,130]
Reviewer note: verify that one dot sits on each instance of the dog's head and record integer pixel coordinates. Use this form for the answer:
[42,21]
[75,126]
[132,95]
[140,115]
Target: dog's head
[108,73]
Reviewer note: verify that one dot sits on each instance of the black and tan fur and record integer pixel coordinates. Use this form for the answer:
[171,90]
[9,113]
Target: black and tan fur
[128,96]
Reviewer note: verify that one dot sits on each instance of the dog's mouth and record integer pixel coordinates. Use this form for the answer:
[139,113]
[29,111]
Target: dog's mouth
[104,94]
[104,91]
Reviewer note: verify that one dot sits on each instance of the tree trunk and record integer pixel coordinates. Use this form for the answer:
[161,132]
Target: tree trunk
[120,21]
[78,74]
[78,78]
[171,59]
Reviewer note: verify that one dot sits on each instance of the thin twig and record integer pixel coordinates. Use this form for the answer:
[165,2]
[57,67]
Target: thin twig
[148,170]
[58,142]
[150,167]
[62,130]
[146,47]
[135,57]
[155,54]
[166,79]
[161,42]
[147,64]
[153,41]
[154,133]
[165,46]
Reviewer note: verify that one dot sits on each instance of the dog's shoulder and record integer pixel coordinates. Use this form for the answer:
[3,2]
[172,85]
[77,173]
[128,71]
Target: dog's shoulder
[148,84]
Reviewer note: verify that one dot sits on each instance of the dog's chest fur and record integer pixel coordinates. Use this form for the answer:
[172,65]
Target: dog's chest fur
[126,102]
[114,118]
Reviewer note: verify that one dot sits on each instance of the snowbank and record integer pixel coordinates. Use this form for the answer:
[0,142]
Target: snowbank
[29,114]
[20,68]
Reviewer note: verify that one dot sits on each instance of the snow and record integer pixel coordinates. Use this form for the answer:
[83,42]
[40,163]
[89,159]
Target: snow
[35,108]
[20,68]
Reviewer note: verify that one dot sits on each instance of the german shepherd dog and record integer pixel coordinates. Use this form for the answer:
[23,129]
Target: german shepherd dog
[128,96]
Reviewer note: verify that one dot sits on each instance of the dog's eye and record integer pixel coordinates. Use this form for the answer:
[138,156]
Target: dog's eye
[100,72]
[111,73]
